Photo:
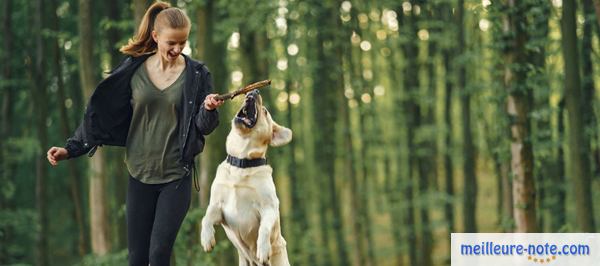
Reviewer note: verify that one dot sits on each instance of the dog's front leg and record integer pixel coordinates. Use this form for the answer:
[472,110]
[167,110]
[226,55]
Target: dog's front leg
[207,235]
[263,244]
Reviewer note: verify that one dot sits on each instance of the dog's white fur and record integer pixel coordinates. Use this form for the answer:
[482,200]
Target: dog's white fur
[243,200]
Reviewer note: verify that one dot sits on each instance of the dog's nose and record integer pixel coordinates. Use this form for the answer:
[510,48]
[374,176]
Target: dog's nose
[253,93]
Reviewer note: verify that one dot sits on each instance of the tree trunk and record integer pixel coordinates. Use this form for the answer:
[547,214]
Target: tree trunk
[97,197]
[507,195]
[578,141]
[589,118]
[211,49]
[254,61]
[299,225]
[368,128]
[411,108]
[393,180]
[118,177]
[557,190]
[354,62]
[448,168]
[325,75]
[114,33]
[428,150]
[543,130]
[98,205]
[520,100]
[6,94]
[299,237]
[469,163]
[74,174]
[597,11]
[39,95]
[203,39]
[368,258]
[448,58]
[139,8]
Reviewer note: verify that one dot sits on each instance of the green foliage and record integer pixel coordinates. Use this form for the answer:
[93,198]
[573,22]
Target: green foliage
[18,229]
[113,258]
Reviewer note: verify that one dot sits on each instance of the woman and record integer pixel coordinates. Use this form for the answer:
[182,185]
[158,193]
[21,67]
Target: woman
[156,104]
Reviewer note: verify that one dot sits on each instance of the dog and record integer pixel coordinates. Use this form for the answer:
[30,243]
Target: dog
[242,195]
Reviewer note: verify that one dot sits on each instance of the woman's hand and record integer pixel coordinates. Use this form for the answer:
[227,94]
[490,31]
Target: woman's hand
[210,103]
[56,154]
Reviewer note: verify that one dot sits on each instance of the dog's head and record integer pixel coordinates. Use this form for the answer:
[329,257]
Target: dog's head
[253,130]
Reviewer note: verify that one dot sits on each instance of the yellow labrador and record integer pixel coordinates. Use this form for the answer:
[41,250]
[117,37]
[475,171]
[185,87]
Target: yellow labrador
[242,196]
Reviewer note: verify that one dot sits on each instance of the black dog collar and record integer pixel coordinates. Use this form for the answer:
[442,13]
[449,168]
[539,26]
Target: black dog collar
[245,163]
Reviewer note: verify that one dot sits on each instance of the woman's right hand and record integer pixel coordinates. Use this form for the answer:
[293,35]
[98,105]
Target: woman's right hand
[56,154]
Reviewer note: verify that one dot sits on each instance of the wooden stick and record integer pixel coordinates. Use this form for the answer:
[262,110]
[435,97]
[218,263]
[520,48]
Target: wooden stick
[256,85]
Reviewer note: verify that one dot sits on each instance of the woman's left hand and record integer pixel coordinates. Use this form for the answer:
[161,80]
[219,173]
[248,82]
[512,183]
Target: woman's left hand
[210,103]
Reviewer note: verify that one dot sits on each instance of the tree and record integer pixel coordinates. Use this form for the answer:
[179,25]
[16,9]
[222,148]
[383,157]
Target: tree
[470,181]
[589,119]
[300,224]
[66,129]
[326,76]
[410,106]
[6,93]
[519,103]
[97,197]
[448,58]
[39,95]
[557,192]
[577,139]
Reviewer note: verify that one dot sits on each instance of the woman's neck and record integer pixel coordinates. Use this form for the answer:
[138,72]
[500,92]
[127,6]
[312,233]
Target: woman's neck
[157,62]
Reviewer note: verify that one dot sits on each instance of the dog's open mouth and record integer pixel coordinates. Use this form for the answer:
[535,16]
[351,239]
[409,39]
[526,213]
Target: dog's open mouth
[248,115]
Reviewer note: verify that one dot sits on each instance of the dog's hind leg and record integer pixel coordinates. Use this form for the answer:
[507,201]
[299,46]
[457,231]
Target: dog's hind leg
[213,216]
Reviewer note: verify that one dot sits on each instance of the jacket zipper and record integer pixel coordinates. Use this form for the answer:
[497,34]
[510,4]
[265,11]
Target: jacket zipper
[187,130]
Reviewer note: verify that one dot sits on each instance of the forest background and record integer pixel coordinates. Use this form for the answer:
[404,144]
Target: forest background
[412,119]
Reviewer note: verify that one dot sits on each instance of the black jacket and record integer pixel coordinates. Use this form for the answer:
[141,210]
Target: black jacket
[109,111]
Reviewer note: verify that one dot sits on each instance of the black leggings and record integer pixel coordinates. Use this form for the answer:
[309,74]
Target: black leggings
[154,215]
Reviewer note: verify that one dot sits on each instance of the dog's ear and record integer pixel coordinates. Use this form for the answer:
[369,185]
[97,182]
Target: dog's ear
[281,135]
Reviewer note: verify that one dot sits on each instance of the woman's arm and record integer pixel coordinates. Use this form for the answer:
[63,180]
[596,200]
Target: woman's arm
[75,147]
[207,118]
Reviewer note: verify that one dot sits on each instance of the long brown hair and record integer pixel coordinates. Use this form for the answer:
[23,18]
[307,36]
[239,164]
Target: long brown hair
[157,16]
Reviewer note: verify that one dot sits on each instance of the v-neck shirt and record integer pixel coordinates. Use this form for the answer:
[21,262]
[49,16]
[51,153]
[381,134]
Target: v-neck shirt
[152,149]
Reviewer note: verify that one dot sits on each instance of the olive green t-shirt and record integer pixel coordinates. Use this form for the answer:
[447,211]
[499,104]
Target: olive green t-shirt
[152,149]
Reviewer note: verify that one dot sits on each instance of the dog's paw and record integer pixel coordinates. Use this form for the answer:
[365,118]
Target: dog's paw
[262,253]
[207,238]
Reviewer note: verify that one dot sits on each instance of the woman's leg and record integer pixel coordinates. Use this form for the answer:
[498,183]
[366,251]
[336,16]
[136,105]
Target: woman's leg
[172,206]
[141,203]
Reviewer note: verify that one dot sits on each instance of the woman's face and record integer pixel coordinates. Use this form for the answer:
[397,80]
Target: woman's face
[170,42]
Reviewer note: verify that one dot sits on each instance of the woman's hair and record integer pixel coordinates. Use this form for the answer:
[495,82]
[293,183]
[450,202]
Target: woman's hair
[158,15]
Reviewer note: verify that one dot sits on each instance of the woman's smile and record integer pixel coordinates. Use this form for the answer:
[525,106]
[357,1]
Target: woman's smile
[172,55]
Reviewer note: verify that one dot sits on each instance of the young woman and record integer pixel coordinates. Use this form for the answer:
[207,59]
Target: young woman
[157,104]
